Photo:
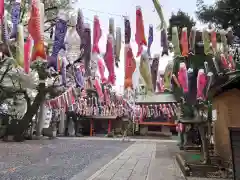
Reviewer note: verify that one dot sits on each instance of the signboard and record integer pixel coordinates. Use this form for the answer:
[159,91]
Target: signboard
[214,114]
[235,147]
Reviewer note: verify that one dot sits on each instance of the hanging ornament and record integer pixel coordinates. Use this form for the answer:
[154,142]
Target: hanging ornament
[224,42]
[216,65]
[156,111]
[231,61]
[79,76]
[176,80]
[72,40]
[192,40]
[159,10]
[20,47]
[201,84]
[118,44]
[140,35]
[214,41]
[175,42]
[62,66]
[206,42]
[145,72]
[168,76]
[224,61]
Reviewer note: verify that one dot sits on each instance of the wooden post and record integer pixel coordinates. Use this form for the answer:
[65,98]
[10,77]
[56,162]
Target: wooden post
[91,127]
[109,126]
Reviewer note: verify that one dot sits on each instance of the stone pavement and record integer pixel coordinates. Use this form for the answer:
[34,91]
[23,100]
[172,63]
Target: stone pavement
[143,160]
[138,163]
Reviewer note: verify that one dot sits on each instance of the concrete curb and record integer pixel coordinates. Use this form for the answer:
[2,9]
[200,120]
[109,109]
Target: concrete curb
[119,139]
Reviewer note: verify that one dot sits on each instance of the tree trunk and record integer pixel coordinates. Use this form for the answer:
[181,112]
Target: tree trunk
[32,110]
[203,133]
[41,119]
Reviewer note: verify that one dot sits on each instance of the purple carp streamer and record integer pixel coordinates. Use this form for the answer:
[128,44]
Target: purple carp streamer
[164,42]
[58,44]
[86,44]
[150,40]
[154,71]
[5,34]
[15,15]
[80,25]
[127,30]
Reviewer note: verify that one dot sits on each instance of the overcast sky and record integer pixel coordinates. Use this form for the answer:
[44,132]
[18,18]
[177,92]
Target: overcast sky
[128,8]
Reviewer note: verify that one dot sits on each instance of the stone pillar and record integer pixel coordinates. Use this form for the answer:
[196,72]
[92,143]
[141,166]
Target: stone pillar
[71,126]
[61,128]
[41,119]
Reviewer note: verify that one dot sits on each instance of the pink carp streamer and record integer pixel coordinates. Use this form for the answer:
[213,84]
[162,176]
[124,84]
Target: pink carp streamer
[27,54]
[224,61]
[99,89]
[101,70]
[140,35]
[97,33]
[201,84]
[1,10]
[183,77]
[109,60]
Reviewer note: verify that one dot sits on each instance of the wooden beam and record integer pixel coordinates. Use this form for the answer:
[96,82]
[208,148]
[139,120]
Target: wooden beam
[157,123]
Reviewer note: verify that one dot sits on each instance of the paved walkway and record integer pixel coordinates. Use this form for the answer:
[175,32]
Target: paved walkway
[138,162]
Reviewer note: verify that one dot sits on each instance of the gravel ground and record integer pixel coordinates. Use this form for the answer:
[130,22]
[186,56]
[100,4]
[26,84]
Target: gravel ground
[57,159]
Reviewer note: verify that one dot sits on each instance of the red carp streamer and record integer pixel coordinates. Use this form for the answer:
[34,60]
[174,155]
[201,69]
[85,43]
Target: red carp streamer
[184,42]
[97,33]
[109,60]
[140,35]
[34,30]
[130,66]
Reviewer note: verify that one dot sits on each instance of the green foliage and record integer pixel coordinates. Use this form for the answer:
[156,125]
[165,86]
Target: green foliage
[180,19]
[223,13]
